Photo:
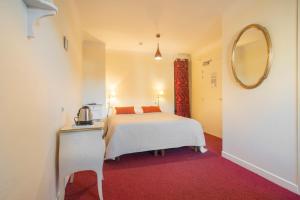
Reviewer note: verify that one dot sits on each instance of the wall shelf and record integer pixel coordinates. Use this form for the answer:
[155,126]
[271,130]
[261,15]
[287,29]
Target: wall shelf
[37,9]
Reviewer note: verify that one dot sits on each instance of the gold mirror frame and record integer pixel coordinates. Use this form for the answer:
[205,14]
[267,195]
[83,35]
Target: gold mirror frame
[267,67]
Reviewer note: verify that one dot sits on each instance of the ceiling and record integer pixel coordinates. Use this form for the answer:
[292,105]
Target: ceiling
[184,25]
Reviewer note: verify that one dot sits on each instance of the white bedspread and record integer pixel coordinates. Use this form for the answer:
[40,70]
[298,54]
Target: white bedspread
[151,131]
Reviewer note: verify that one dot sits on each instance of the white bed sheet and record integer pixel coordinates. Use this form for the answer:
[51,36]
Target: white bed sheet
[150,131]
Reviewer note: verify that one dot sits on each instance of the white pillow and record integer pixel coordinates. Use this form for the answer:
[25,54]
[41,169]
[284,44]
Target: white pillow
[138,110]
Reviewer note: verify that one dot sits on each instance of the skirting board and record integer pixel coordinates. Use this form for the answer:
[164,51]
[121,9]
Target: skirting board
[262,172]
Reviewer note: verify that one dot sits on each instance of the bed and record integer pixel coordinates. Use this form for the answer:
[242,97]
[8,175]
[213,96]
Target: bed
[131,133]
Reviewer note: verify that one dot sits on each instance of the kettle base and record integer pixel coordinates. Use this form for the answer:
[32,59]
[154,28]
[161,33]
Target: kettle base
[80,123]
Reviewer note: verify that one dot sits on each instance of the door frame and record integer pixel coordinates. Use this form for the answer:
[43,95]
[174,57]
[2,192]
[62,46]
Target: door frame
[298,94]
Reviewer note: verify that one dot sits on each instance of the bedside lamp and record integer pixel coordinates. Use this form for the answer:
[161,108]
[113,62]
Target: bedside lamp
[159,95]
[111,97]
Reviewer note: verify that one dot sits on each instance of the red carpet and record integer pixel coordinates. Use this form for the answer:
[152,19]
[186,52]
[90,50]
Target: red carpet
[181,175]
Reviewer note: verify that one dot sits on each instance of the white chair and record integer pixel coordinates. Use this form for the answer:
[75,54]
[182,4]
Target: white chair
[80,151]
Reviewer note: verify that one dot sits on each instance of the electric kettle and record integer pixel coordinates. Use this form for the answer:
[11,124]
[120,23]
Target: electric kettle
[84,116]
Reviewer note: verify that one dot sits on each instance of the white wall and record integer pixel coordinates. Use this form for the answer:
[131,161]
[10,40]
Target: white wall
[206,97]
[37,79]
[259,125]
[93,72]
[137,77]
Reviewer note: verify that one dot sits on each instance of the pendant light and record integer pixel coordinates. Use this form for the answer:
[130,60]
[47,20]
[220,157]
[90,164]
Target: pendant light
[157,54]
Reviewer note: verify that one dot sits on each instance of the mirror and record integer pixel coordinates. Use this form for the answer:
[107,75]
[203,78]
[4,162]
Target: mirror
[251,56]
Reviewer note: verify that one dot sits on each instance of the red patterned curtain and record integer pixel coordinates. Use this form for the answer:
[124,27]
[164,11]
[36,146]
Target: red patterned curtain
[181,83]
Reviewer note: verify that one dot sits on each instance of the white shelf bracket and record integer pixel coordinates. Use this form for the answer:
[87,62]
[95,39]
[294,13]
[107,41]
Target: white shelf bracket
[33,16]
[37,9]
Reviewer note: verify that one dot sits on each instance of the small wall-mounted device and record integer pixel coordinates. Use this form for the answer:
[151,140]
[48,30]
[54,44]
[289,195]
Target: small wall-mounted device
[207,62]
[66,43]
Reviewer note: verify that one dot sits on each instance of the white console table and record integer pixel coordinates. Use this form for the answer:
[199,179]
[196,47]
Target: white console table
[80,148]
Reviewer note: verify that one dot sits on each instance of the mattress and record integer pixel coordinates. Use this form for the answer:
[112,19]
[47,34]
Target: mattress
[130,133]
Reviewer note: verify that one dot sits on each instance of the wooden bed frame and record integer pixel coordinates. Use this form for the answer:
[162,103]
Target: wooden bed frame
[162,152]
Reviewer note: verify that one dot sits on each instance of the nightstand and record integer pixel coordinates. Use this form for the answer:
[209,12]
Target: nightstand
[81,148]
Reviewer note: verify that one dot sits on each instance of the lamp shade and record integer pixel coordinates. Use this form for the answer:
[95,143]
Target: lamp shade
[157,54]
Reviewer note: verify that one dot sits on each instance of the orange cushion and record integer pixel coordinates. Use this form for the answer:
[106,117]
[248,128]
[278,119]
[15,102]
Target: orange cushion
[150,109]
[125,110]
